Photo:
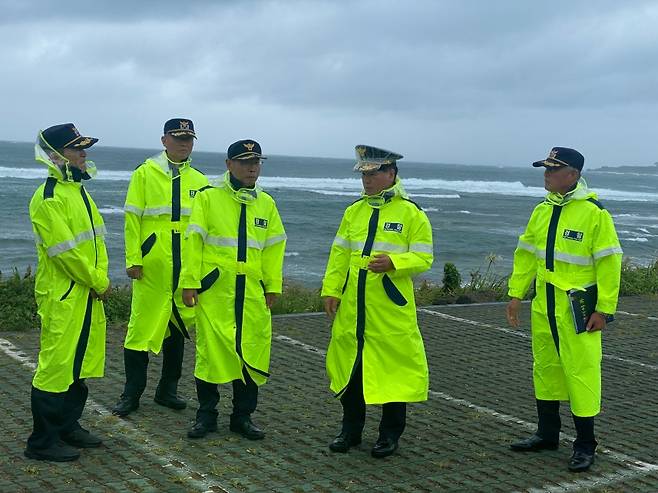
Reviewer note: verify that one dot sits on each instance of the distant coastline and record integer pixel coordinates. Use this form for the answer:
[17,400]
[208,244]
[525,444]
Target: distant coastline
[652,168]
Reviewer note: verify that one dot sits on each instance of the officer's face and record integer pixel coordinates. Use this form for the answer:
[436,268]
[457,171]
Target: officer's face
[76,157]
[178,148]
[245,171]
[561,179]
[376,181]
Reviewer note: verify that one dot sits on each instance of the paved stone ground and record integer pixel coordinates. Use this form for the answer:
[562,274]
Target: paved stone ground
[481,400]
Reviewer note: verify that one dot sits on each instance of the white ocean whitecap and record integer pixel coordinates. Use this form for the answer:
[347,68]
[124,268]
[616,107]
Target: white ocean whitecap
[447,188]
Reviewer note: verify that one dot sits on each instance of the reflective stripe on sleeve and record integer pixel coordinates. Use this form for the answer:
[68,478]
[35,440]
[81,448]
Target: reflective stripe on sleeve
[133,210]
[421,248]
[273,240]
[70,244]
[341,242]
[607,251]
[357,245]
[527,246]
[195,228]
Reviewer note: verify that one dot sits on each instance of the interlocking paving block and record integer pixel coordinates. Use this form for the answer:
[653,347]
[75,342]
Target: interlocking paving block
[481,400]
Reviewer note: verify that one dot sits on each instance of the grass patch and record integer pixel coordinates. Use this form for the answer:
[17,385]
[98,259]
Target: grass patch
[297,298]
[18,311]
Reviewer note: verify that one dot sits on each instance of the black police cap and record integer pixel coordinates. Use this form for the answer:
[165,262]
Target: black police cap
[179,127]
[66,136]
[562,156]
[244,149]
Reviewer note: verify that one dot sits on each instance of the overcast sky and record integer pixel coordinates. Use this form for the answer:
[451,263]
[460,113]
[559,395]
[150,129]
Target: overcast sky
[474,82]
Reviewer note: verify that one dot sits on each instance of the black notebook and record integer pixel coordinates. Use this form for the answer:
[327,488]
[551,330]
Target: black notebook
[583,304]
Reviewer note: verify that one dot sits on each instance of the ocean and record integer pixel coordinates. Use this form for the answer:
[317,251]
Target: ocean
[477,212]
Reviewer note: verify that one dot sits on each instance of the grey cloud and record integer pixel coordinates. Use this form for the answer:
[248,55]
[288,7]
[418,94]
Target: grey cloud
[405,65]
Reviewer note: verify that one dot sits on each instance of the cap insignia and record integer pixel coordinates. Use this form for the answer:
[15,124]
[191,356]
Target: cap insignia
[552,154]
[249,145]
[362,151]
[184,125]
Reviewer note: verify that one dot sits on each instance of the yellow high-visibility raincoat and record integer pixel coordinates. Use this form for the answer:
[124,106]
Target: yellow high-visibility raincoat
[72,260]
[376,319]
[234,255]
[158,207]
[569,243]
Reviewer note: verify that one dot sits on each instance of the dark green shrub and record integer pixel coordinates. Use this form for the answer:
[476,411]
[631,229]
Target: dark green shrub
[638,279]
[452,280]
[117,305]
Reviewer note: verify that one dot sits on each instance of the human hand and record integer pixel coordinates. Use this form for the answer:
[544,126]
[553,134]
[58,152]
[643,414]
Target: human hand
[102,296]
[596,322]
[270,298]
[331,306]
[512,311]
[135,272]
[190,297]
[381,263]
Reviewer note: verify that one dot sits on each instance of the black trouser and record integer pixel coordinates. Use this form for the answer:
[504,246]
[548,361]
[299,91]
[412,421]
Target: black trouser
[136,363]
[56,413]
[548,413]
[245,399]
[394,414]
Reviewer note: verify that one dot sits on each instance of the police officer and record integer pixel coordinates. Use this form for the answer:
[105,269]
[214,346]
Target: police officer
[376,353]
[158,207]
[569,243]
[70,282]
[233,271]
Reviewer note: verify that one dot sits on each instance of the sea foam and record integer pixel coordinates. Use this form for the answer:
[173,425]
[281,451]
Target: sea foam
[417,187]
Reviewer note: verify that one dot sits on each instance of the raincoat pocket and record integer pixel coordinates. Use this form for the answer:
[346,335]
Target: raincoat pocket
[148,244]
[68,291]
[208,280]
[393,292]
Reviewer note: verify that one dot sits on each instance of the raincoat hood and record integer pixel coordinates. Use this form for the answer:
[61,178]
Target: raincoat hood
[58,165]
[386,195]
[581,192]
[165,164]
[242,195]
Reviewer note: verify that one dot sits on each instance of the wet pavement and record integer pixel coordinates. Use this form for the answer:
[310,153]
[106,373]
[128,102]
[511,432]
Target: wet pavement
[481,399]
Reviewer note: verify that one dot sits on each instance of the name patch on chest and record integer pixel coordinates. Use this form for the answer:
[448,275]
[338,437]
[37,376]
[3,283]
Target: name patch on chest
[572,234]
[193,193]
[395,227]
[260,223]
